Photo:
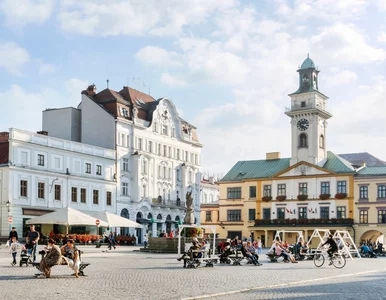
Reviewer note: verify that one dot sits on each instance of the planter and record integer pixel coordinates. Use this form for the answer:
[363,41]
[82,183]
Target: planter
[324,196]
[266,198]
[281,198]
[302,197]
[340,195]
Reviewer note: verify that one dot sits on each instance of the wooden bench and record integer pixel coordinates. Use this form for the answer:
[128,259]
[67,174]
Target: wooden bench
[194,262]
[81,267]
[237,258]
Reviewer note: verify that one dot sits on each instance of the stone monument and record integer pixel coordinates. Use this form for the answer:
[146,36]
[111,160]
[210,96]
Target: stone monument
[189,217]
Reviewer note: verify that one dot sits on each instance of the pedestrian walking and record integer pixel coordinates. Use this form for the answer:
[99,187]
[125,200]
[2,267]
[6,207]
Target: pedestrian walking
[259,246]
[145,241]
[12,233]
[111,240]
[13,249]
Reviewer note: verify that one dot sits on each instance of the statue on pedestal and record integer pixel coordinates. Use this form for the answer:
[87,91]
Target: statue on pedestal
[189,217]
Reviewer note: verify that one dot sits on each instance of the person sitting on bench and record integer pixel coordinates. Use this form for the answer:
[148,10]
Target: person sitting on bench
[248,254]
[279,251]
[52,257]
[71,255]
[253,251]
[195,246]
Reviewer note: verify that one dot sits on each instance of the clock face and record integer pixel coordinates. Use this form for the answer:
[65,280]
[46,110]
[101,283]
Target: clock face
[303,124]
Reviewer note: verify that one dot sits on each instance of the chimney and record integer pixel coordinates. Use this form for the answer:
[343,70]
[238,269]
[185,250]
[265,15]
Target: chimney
[91,90]
[42,132]
[4,136]
[211,180]
[272,155]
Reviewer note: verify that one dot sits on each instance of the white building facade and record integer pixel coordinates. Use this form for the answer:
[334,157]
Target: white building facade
[210,191]
[158,154]
[40,174]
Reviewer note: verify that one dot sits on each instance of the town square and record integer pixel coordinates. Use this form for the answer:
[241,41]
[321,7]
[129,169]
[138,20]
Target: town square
[192,149]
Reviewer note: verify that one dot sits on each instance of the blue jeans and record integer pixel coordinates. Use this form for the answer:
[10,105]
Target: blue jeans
[14,257]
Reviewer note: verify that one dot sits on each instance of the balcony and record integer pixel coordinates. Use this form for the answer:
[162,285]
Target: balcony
[168,203]
[303,222]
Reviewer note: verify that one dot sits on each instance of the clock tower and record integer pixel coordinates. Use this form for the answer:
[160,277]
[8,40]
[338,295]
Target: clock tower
[309,115]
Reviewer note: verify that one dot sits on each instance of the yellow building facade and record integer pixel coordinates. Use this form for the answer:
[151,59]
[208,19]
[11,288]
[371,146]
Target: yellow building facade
[312,189]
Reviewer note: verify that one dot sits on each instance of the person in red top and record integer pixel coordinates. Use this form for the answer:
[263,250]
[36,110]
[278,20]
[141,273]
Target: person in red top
[171,234]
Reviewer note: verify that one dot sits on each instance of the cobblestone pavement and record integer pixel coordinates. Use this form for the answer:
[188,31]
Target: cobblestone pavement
[124,274]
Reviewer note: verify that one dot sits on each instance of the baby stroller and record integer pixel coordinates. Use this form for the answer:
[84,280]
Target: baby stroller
[26,255]
[224,256]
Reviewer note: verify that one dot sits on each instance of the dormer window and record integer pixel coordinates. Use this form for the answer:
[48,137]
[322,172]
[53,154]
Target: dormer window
[321,141]
[164,130]
[155,127]
[303,104]
[124,112]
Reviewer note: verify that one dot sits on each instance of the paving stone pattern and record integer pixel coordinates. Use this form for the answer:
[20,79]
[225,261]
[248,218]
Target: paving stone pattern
[124,274]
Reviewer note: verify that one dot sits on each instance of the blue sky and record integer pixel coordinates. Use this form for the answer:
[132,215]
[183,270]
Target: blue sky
[227,65]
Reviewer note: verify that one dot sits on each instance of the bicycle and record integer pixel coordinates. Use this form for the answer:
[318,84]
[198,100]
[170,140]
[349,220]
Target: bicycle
[337,259]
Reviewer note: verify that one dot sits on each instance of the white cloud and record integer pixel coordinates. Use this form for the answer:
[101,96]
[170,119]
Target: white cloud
[381,37]
[47,68]
[341,78]
[23,108]
[13,57]
[344,43]
[154,17]
[172,81]
[19,13]
[157,56]
[326,10]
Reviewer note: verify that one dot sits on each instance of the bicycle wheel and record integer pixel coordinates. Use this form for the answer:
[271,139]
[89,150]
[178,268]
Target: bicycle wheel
[318,260]
[339,261]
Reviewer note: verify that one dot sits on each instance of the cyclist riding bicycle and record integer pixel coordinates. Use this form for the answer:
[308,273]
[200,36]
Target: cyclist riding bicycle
[333,247]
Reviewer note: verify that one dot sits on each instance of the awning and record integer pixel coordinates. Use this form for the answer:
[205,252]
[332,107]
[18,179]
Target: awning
[142,220]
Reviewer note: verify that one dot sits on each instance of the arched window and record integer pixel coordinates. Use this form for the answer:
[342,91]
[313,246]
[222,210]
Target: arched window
[139,215]
[168,218]
[321,141]
[125,213]
[303,143]
[149,216]
[159,217]
[177,219]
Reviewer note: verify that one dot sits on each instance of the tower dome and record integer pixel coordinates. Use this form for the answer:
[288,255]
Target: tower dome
[307,64]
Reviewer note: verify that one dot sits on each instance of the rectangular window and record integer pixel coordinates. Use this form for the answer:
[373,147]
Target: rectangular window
[325,213]
[302,212]
[170,152]
[173,132]
[363,217]
[363,192]
[281,190]
[382,216]
[58,189]
[266,214]
[88,168]
[303,189]
[122,140]
[234,215]
[144,166]
[382,191]
[252,214]
[252,192]
[324,187]
[341,212]
[95,197]
[74,194]
[342,187]
[281,213]
[108,198]
[23,188]
[125,164]
[41,190]
[195,159]
[125,188]
[164,130]
[267,191]
[40,160]
[99,170]
[170,173]
[83,195]
[139,144]
[234,193]
[159,149]
[165,154]
[178,154]
[150,147]
[186,156]
[208,216]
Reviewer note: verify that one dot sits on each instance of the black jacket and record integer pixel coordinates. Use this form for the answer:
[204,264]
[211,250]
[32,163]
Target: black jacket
[332,243]
[13,234]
